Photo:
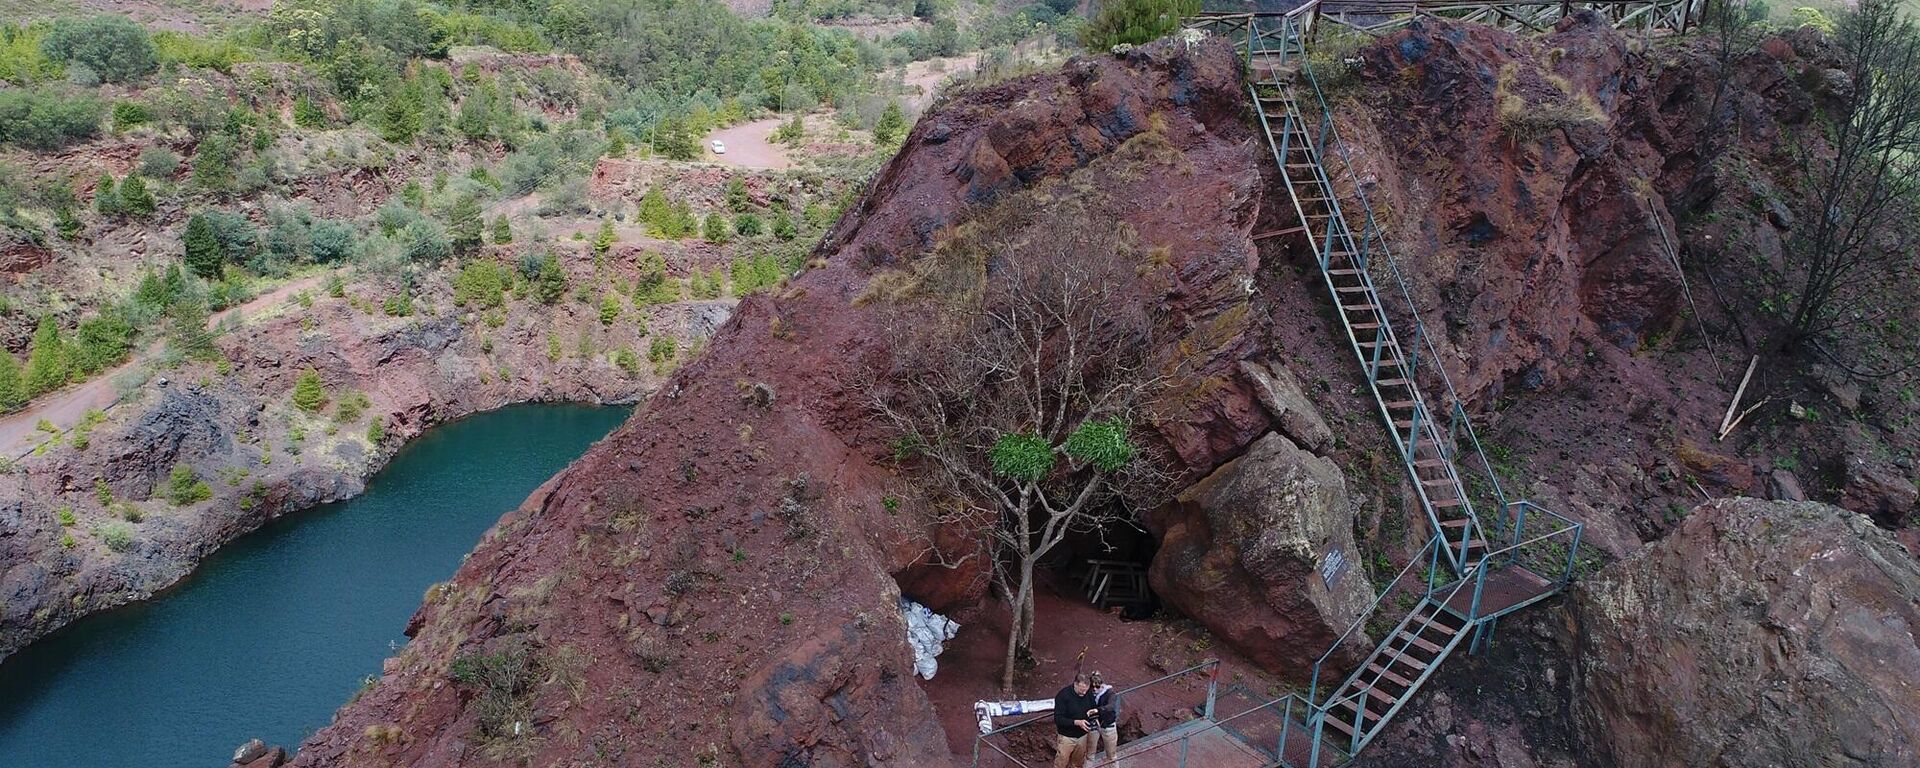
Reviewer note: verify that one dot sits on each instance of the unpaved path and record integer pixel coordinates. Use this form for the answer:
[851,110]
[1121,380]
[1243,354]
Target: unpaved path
[19,432]
[749,145]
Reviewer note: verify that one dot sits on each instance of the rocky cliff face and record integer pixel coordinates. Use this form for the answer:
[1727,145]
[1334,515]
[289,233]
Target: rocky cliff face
[1757,633]
[719,580]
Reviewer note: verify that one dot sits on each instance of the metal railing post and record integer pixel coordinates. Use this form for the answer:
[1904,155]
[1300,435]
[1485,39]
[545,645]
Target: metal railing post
[1519,525]
[1213,688]
[1567,575]
[1286,728]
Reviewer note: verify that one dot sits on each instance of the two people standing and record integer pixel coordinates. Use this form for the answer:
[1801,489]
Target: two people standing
[1086,717]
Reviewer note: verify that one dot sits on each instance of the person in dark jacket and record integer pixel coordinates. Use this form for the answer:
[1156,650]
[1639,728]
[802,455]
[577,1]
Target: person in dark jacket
[1073,711]
[1105,736]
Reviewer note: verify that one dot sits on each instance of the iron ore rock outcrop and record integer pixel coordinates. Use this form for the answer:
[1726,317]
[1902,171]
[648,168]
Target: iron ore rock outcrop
[1757,634]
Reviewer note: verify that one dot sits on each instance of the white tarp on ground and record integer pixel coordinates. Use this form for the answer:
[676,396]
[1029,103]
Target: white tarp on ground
[927,632]
[988,710]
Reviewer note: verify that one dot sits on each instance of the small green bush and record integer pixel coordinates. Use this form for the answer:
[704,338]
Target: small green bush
[117,536]
[184,487]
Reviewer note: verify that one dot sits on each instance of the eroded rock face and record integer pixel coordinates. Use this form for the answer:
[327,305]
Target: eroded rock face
[1241,550]
[722,575]
[1757,634]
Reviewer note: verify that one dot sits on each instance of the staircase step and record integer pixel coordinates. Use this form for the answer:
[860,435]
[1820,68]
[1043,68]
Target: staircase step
[1359,307]
[1438,481]
[1424,463]
[1388,674]
[1416,641]
[1353,289]
[1345,271]
[1383,696]
[1446,503]
[1390,382]
[1456,523]
[1428,622]
[1363,326]
[1395,405]
[1340,724]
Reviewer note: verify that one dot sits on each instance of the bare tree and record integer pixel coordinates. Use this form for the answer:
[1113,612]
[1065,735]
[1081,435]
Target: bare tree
[1853,257]
[1023,359]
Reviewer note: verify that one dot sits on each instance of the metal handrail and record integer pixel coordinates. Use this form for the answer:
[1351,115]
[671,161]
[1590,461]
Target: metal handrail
[1209,664]
[1419,557]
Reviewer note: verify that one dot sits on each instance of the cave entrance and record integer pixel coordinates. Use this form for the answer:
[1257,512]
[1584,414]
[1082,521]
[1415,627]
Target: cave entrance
[1108,568]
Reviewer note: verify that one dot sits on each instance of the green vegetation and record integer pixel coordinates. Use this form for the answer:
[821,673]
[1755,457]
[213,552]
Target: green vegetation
[609,308]
[114,49]
[1134,22]
[47,118]
[184,487]
[892,126]
[309,393]
[482,284]
[118,537]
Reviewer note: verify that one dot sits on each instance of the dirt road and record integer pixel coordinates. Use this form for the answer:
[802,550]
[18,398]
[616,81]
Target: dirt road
[749,145]
[18,431]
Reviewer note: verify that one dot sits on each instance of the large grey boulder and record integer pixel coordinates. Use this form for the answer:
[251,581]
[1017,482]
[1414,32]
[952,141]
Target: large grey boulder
[1756,634]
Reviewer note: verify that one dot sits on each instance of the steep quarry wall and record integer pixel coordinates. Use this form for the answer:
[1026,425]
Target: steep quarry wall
[718,580]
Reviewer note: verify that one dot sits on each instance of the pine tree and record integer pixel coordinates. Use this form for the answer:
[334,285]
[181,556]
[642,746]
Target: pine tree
[47,361]
[783,227]
[203,253]
[892,125]
[603,240]
[716,229]
[465,225]
[309,394]
[13,393]
[106,201]
[551,282]
[737,198]
[609,309]
[502,231]
[188,330]
[134,198]
[655,212]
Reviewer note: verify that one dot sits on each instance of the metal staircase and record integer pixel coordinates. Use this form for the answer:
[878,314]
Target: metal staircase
[1476,566]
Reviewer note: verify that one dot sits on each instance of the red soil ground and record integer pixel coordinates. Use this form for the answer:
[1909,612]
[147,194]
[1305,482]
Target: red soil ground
[1128,653]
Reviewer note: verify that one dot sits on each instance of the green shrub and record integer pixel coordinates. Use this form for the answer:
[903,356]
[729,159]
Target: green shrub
[48,361]
[1134,22]
[130,114]
[308,113]
[115,47]
[102,341]
[134,197]
[102,492]
[376,432]
[465,225]
[662,349]
[551,282]
[158,163]
[482,284]
[892,126]
[426,242]
[202,251]
[502,231]
[609,308]
[106,199]
[184,487]
[214,160]
[188,50]
[352,406]
[13,392]
[716,229]
[309,393]
[330,242]
[42,118]
[117,536]
[64,515]
[627,360]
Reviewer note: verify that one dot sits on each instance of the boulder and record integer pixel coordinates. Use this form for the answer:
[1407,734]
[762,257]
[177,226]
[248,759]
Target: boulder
[1241,552]
[1757,634]
[1280,393]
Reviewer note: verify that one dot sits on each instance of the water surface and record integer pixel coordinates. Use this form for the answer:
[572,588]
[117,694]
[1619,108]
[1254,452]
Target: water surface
[278,629]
